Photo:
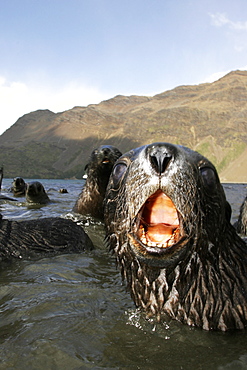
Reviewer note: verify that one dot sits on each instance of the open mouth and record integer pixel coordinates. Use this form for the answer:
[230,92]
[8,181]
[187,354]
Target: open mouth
[105,161]
[159,226]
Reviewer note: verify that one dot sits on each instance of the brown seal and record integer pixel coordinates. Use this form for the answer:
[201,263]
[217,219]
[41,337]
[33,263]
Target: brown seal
[41,238]
[36,193]
[90,200]
[168,221]
[19,187]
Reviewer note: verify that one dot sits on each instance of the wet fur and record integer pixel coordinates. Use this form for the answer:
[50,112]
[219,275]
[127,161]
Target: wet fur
[201,281]
[41,238]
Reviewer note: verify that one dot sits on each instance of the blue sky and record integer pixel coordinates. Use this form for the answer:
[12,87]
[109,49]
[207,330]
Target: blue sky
[57,54]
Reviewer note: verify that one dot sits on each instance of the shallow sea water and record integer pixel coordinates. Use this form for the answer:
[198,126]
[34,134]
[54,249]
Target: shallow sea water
[73,312]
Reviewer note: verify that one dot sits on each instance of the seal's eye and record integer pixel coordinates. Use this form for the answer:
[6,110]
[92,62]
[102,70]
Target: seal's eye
[208,177]
[118,172]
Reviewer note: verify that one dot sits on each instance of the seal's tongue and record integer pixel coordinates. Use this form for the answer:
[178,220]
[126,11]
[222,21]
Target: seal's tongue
[159,218]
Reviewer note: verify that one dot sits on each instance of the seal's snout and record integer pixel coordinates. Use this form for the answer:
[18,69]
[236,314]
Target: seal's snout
[160,158]
[19,181]
[106,151]
[106,155]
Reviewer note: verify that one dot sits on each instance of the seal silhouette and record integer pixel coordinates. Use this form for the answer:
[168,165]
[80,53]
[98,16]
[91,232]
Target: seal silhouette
[36,193]
[19,187]
[241,224]
[98,170]
[1,176]
[168,222]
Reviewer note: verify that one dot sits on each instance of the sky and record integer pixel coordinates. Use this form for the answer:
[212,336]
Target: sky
[57,54]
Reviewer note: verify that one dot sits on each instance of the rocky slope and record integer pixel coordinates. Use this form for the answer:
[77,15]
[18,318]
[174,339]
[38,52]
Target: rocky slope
[210,118]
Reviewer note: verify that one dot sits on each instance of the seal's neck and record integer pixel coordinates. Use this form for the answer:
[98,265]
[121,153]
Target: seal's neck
[208,290]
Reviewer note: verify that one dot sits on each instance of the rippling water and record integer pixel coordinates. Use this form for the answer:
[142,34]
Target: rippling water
[72,311]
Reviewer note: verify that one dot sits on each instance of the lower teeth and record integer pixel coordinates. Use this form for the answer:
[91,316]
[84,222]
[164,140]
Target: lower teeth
[145,240]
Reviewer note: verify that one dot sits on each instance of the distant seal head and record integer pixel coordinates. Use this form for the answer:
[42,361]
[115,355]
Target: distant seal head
[63,191]
[36,193]
[19,187]
[241,224]
[98,170]
[168,222]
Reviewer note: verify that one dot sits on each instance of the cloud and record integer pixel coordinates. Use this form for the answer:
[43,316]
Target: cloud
[220,19]
[18,98]
[216,76]
[235,31]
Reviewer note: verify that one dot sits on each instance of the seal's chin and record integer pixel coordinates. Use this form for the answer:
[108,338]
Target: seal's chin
[158,230]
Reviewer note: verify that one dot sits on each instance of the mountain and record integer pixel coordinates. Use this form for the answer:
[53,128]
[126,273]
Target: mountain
[210,118]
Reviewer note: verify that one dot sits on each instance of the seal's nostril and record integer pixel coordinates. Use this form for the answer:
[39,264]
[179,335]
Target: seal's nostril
[160,161]
[165,162]
[154,162]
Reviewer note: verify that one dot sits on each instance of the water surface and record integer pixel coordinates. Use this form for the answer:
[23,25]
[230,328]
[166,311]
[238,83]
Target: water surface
[73,312]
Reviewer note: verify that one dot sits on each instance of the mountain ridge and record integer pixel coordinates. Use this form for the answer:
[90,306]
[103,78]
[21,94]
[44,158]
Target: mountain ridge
[209,117]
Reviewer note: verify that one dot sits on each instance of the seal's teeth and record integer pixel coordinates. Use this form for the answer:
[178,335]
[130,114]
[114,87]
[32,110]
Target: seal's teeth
[160,245]
[151,244]
[144,238]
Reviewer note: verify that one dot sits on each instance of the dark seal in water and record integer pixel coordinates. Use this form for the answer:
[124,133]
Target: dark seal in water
[36,193]
[168,221]
[41,238]
[241,224]
[1,176]
[19,187]
[98,170]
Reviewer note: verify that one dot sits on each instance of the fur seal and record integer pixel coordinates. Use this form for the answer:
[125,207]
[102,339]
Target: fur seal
[168,222]
[36,193]
[241,224]
[63,191]
[1,177]
[19,187]
[41,237]
[90,200]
